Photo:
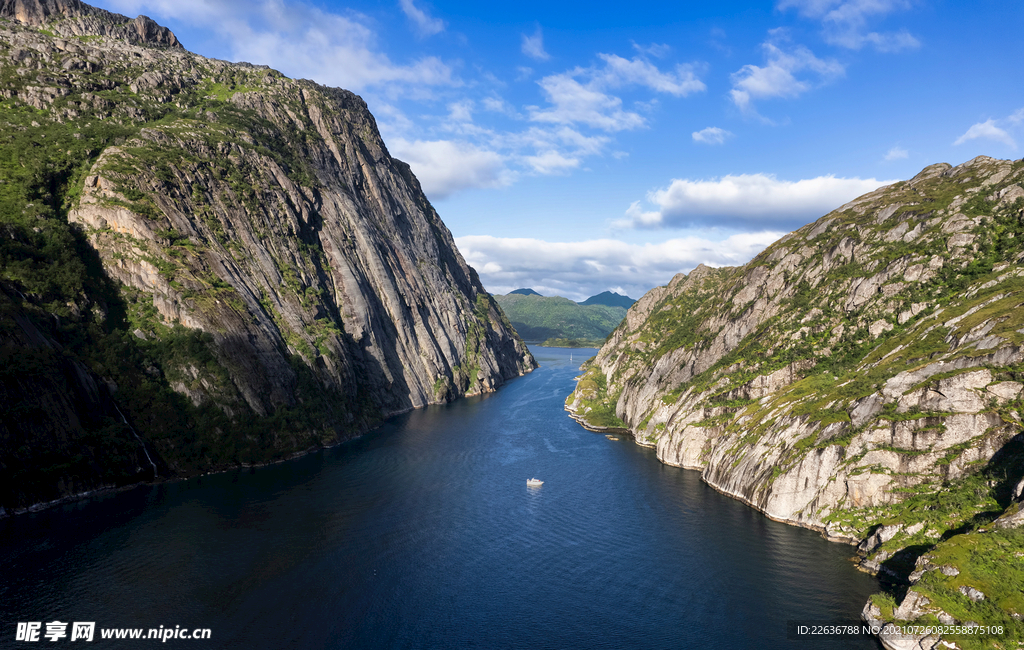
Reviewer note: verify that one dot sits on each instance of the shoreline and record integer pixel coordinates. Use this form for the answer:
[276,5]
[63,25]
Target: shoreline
[841,539]
[822,530]
[39,506]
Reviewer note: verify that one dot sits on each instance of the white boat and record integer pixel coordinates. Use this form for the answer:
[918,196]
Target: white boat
[534,482]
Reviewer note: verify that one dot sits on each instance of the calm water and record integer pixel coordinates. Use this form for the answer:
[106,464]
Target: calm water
[424,535]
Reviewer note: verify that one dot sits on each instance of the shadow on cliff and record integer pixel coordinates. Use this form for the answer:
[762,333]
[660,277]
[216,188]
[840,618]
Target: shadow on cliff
[998,480]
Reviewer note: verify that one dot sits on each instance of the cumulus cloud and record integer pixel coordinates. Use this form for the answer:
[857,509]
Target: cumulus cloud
[991,130]
[779,76]
[425,25]
[581,269]
[746,200]
[711,135]
[444,167]
[300,40]
[845,22]
[533,46]
[580,96]
[896,153]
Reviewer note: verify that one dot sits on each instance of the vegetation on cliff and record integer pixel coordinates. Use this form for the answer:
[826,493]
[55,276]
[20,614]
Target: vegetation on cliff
[611,299]
[539,318]
[863,374]
[205,264]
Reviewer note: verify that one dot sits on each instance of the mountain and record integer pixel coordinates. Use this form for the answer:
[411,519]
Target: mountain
[558,321]
[524,292]
[862,376]
[205,264]
[611,299]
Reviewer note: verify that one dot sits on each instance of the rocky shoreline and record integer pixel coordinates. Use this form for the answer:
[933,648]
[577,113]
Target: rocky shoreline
[863,377]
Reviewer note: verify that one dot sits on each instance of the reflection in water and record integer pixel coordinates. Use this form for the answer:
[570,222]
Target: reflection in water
[424,534]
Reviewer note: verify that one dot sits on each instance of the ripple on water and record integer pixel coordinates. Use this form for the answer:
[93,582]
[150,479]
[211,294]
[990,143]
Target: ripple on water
[424,535]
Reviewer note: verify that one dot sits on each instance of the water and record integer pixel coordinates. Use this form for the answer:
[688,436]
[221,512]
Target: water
[425,535]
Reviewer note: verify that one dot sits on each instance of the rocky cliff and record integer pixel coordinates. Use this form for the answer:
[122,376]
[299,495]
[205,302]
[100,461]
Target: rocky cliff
[207,264]
[861,376]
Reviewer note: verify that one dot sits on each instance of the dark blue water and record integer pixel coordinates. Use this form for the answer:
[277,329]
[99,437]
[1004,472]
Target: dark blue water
[425,535]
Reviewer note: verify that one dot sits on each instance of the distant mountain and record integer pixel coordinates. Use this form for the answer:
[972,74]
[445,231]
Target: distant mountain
[541,318]
[611,299]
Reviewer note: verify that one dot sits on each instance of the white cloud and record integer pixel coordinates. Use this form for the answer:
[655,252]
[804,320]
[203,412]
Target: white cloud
[461,111]
[555,150]
[444,167]
[619,72]
[581,269]
[989,130]
[587,102]
[449,136]
[746,200]
[533,46]
[495,104]
[778,77]
[198,9]
[574,102]
[425,25]
[552,162]
[301,40]
[845,22]
[658,50]
[896,153]
[711,135]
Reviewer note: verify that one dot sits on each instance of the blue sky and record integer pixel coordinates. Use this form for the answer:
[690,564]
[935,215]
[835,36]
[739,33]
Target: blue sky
[576,148]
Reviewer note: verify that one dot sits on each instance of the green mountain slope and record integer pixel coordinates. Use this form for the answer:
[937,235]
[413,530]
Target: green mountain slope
[611,299]
[560,320]
[863,376]
[206,264]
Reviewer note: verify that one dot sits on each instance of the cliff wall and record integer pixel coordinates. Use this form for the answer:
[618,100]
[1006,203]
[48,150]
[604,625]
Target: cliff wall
[232,255]
[863,373]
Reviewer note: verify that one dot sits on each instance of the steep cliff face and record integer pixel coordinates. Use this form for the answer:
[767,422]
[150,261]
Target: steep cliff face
[852,373]
[72,18]
[279,281]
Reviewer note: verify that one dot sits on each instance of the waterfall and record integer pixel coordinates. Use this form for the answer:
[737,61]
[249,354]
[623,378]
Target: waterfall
[144,450]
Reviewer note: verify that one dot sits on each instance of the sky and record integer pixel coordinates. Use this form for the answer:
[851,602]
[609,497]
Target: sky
[584,147]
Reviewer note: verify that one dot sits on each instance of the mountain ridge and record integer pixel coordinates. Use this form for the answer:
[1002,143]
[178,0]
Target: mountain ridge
[611,299]
[558,321]
[73,18]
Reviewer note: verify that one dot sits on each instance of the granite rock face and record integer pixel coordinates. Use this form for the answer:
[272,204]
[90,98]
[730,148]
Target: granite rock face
[861,376]
[270,257]
[71,18]
[837,369]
